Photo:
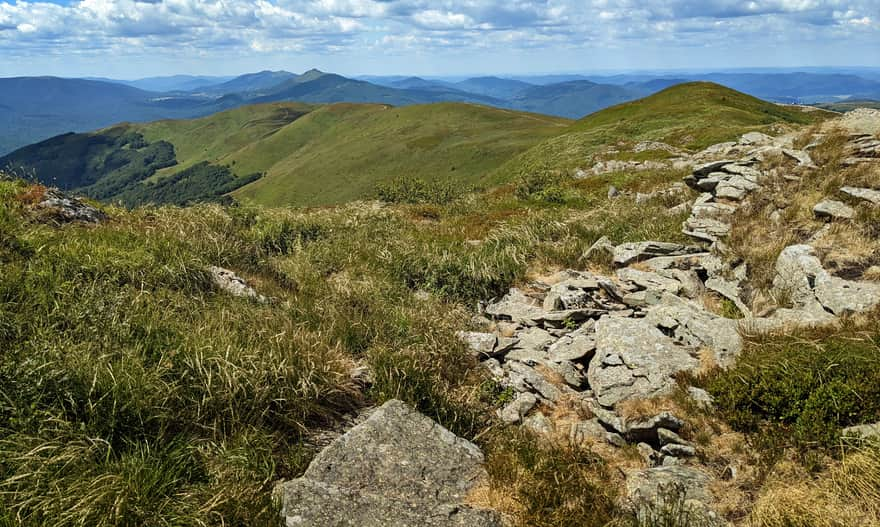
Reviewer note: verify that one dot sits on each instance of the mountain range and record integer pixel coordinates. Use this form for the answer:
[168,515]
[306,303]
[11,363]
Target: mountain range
[36,108]
[294,153]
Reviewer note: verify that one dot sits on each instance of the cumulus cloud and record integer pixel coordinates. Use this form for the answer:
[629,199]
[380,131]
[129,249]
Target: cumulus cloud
[321,26]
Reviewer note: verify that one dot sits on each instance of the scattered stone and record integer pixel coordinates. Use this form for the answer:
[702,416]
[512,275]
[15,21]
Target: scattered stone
[516,306]
[602,247]
[667,437]
[689,324]
[516,410]
[481,344]
[867,194]
[677,450]
[539,424]
[634,359]
[836,210]
[651,457]
[228,281]
[613,192]
[526,379]
[396,469]
[577,345]
[646,429]
[701,397]
[800,156]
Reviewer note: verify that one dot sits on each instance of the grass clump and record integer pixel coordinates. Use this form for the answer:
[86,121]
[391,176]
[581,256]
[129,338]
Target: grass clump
[848,493]
[418,191]
[540,484]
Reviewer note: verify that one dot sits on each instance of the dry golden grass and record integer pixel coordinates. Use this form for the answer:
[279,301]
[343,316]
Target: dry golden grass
[847,495]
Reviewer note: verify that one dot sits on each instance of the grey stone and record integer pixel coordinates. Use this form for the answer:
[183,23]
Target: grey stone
[801,278]
[601,248]
[613,192]
[567,370]
[61,208]
[538,423]
[628,253]
[834,210]
[516,306]
[667,437]
[514,411]
[866,194]
[480,344]
[535,380]
[800,156]
[755,138]
[582,432]
[228,281]
[577,345]
[735,187]
[730,290]
[701,397]
[634,359]
[677,450]
[656,488]
[691,325]
[650,281]
[867,431]
[708,168]
[398,468]
[645,429]
[651,457]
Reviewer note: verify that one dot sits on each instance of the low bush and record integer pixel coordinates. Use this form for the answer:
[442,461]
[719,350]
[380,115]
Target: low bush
[416,190]
[802,388]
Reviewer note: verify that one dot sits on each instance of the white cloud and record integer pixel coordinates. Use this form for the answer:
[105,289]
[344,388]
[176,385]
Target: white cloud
[168,28]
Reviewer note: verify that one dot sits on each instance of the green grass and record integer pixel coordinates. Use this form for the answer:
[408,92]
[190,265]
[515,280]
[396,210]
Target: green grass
[691,116]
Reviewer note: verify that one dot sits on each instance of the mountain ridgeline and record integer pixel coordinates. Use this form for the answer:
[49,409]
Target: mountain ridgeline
[37,108]
[313,155]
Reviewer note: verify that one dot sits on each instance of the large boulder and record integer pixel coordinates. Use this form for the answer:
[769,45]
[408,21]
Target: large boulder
[634,360]
[801,279]
[396,469]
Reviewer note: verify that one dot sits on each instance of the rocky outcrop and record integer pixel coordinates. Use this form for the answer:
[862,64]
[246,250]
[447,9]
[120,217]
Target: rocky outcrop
[58,207]
[396,469]
[228,281]
[661,488]
[865,194]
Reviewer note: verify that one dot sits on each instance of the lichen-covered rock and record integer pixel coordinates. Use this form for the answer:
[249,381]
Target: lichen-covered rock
[396,469]
[835,210]
[866,194]
[233,284]
[61,208]
[662,487]
[634,360]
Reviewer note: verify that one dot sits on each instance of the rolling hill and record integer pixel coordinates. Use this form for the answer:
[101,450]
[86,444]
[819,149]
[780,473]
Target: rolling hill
[306,155]
[690,116]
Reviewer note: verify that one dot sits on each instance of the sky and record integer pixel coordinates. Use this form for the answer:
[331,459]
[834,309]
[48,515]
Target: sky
[133,39]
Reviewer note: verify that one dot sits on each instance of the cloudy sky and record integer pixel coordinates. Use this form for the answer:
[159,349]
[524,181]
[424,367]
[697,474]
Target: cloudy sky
[130,39]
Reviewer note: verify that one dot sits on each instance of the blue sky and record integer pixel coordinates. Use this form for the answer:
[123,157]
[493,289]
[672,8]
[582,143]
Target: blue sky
[131,39]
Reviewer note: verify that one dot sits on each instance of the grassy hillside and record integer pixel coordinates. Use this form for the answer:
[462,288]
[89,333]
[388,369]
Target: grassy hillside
[341,152]
[309,155]
[691,116]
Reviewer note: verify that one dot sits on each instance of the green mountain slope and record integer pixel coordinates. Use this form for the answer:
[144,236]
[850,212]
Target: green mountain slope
[691,116]
[340,152]
[309,155]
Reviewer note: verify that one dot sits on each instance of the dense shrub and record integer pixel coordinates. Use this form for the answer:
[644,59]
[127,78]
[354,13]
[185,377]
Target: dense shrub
[809,384]
[416,190]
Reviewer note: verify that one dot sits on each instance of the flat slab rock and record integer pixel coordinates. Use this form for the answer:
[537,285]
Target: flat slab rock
[628,253]
[396,469]
[634,360]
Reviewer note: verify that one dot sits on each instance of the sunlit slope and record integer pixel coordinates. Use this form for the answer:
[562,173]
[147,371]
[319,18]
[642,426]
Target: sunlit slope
[691,116]
[341,152]
[217,136]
